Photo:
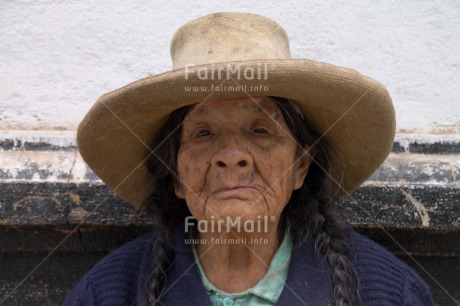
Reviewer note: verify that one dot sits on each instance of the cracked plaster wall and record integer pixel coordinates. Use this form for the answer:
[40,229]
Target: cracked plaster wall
[58,57]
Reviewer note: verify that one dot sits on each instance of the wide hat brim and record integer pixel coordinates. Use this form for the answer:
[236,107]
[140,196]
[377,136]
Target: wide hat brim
[353,112]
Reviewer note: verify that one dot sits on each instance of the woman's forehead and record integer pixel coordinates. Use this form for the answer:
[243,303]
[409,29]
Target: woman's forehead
[249,105]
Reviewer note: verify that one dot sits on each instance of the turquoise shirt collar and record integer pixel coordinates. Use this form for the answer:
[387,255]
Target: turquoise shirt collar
[266,291]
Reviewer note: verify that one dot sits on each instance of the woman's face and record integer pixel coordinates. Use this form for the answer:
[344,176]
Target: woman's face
[237,158]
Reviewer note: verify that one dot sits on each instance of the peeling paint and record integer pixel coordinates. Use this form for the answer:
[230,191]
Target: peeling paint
[16,140]
[418,170]
[427,143]
[420,208]
[40,166]
[78,213]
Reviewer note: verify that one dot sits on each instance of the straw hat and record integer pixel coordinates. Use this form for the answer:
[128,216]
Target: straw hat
[227,55]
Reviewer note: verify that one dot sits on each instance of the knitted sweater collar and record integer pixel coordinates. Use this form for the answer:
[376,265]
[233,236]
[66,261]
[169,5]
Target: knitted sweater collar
[308,283]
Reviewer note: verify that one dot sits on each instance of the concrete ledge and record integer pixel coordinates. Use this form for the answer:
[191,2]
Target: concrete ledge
[38,156]
[45,181]
[16,140]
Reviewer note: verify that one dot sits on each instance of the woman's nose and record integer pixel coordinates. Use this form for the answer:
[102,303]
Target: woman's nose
[232,154]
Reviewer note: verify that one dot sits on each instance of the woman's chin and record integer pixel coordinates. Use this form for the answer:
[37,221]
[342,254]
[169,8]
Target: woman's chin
[235,210]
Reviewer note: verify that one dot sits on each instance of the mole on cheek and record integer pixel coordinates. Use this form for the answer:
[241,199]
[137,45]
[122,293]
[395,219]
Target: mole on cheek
[282,179]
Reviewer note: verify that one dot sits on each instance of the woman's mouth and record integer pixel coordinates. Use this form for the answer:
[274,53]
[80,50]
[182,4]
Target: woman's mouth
[240,188]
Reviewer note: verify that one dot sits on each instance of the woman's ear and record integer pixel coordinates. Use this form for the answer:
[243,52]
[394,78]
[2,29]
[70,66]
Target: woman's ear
[179,189]
[303,163]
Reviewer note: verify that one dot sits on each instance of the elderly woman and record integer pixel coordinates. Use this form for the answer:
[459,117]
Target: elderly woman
[242,184]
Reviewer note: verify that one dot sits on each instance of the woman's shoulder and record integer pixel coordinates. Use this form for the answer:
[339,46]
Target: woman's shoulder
[125,259]
[381,272]
[118,272]
[371,256]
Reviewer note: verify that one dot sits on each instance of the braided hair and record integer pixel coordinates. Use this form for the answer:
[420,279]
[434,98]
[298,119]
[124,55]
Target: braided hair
[310,211]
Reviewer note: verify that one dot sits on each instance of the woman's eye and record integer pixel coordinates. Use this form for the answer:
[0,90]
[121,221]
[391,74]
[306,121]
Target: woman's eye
[260,131]
[203,133]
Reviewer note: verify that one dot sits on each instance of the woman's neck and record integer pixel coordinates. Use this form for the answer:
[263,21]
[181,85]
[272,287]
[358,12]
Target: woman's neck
[234,262]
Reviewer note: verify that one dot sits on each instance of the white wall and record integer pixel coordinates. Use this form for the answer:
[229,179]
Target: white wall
[58,57]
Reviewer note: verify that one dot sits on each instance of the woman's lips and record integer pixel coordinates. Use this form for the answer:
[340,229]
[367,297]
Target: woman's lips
[235,189]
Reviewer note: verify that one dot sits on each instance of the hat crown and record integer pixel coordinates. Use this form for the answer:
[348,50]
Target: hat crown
[225,37]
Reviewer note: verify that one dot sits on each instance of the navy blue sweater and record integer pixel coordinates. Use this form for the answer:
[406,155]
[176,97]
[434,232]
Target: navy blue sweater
[120,277]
